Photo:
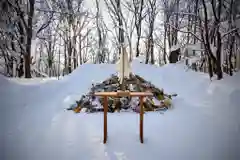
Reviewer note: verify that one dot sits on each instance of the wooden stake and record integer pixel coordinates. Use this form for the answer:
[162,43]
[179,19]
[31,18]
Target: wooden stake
[105,119]
[105,95]
[141,119]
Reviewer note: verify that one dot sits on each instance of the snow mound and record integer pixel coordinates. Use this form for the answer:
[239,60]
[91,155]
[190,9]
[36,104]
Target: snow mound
[3,81]
[204,123]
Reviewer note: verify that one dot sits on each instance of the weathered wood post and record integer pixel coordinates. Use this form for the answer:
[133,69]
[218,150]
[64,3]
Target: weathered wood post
[105,119]
[141,119]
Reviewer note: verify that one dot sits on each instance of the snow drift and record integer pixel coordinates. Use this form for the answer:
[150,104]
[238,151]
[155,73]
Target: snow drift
[204,123]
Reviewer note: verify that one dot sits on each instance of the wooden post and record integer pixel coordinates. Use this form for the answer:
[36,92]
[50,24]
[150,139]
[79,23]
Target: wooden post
[105,95]
[105,119]
[141,119]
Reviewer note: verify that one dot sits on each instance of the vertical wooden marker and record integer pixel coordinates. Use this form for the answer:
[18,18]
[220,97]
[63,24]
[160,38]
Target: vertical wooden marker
[105,119]
[141,119]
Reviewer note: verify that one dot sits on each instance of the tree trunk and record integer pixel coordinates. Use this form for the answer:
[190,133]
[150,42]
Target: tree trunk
[164,42]
[218,54]
[69,56]
[21,57]
[175,38]
[59,61]
[210,67]
[137,47]
[152,50]
[27,66]
[130,51]
[147,51]
[232,24]
[50,56]
[189,25]
[138,23]
[216,61]
[120,22]
[80,50]
[195,23]
[27,56]
[65,58]
[74,52]
[169,36]
[230,55]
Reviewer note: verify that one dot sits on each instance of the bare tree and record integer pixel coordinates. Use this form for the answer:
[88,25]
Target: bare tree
[151,15]
[101,55]
[138,6]
[25,28]
[115,12]
[168,7]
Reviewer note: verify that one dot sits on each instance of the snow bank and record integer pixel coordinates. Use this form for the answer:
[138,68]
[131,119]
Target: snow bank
[219,99]
[27,81]
[3,80]
[203,124]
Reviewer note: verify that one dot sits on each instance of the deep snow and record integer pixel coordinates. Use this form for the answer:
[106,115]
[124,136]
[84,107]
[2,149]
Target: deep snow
[204,123]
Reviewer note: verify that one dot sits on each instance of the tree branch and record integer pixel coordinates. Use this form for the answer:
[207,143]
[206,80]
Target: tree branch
[185,32]
[230,32]
[45,25]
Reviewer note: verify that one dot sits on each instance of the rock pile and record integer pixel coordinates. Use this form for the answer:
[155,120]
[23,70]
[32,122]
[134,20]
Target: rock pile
[90,103]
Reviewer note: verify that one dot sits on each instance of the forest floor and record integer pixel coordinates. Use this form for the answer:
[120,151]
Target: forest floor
[204,122]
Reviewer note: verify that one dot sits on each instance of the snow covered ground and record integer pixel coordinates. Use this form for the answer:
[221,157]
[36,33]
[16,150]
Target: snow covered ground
[204,123]
[34,80]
